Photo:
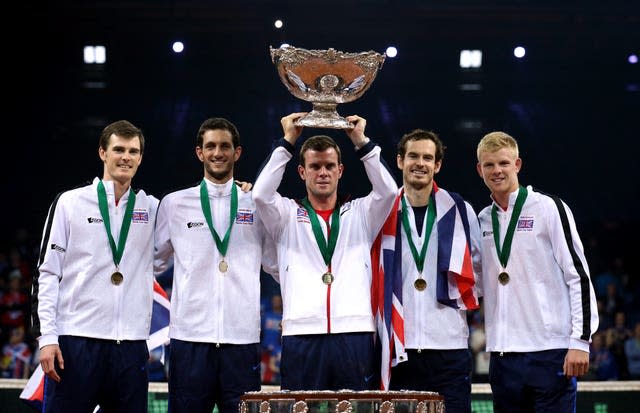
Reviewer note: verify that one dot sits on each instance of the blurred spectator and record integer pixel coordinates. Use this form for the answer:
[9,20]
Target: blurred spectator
[16,356]
[615,343]
[605,320]
[27,248]
[272,323]
[615,275]
[632,353]
[613,301]
[602,363]
[14,303]
[477,343]
[271,365]
[18,262]
[5,269]
[271,336]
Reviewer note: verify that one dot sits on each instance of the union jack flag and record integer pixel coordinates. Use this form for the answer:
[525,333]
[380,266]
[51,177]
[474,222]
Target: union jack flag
[456,278]
[244,217]
[525,224]
[302,215]
[140,216]
[386,294]
[34,391]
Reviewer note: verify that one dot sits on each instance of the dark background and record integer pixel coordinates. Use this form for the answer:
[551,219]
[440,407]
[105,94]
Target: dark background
[573,102]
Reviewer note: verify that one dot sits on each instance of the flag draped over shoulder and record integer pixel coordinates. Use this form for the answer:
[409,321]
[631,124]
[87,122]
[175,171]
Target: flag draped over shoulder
[455,286]
[34,391]
[455,277]
[386,294]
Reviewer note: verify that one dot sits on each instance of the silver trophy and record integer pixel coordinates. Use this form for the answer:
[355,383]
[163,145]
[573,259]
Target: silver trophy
[326,78]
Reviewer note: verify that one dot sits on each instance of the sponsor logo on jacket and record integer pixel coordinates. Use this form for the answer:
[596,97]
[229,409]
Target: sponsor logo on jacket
[58,248]
[92,220]
[191,225]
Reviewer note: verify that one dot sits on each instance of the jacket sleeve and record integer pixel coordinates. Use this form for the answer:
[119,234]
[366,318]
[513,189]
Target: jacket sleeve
[270,257]
[569,253]
[271,205]
[377,204]
[45,290]
[163,248]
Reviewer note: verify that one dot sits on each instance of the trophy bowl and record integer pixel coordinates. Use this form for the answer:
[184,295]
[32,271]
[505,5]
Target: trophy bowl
[326,78]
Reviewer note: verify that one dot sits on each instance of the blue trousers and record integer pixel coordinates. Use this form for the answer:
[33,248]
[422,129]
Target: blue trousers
[202,375]
[531,382]
[328,362]
[446,372]
[99,372]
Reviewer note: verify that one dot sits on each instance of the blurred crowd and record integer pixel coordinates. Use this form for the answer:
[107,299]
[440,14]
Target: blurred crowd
[615,350]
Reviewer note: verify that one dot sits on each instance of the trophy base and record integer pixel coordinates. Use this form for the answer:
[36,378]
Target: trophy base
[324,119]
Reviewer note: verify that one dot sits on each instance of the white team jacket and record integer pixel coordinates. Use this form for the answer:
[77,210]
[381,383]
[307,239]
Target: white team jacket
[427,323]
[310,306]
[75,295]
[208,305]
[549,302]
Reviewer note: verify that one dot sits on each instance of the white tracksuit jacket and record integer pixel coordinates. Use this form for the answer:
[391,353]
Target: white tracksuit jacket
[208,305]
[74,293]
[549,302]
[310,306]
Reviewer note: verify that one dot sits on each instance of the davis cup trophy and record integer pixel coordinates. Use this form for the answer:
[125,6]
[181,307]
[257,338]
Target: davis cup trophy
[326,78]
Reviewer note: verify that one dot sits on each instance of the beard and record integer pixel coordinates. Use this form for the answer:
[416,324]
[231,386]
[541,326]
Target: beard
[417,183]
[219,174]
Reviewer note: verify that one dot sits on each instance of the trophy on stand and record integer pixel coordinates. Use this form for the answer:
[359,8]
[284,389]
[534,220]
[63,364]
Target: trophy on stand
[326,78]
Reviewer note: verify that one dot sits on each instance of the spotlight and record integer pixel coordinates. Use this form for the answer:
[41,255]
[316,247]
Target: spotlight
[470,59]
[391,51]
[519,52]
[177,47]
[95,54]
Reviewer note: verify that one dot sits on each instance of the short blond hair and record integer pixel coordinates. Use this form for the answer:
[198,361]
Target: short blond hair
[494,141]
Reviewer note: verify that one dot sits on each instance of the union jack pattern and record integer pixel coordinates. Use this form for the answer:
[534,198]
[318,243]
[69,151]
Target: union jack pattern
[140,216]
[244,217]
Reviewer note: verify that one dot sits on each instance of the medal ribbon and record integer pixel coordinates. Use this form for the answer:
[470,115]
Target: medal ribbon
[126,221]
[431,217]
[222,245]
[503,254]
[325,249]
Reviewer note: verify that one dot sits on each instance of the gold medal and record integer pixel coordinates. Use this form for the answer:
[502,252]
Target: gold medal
[420,284]
[327,278]
[223,266]
[117,278]
[503,277]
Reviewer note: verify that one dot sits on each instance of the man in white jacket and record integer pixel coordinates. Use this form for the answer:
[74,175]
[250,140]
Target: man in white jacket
[324,259]
[440,254]
[214,237]
[92,297]
[539,303]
